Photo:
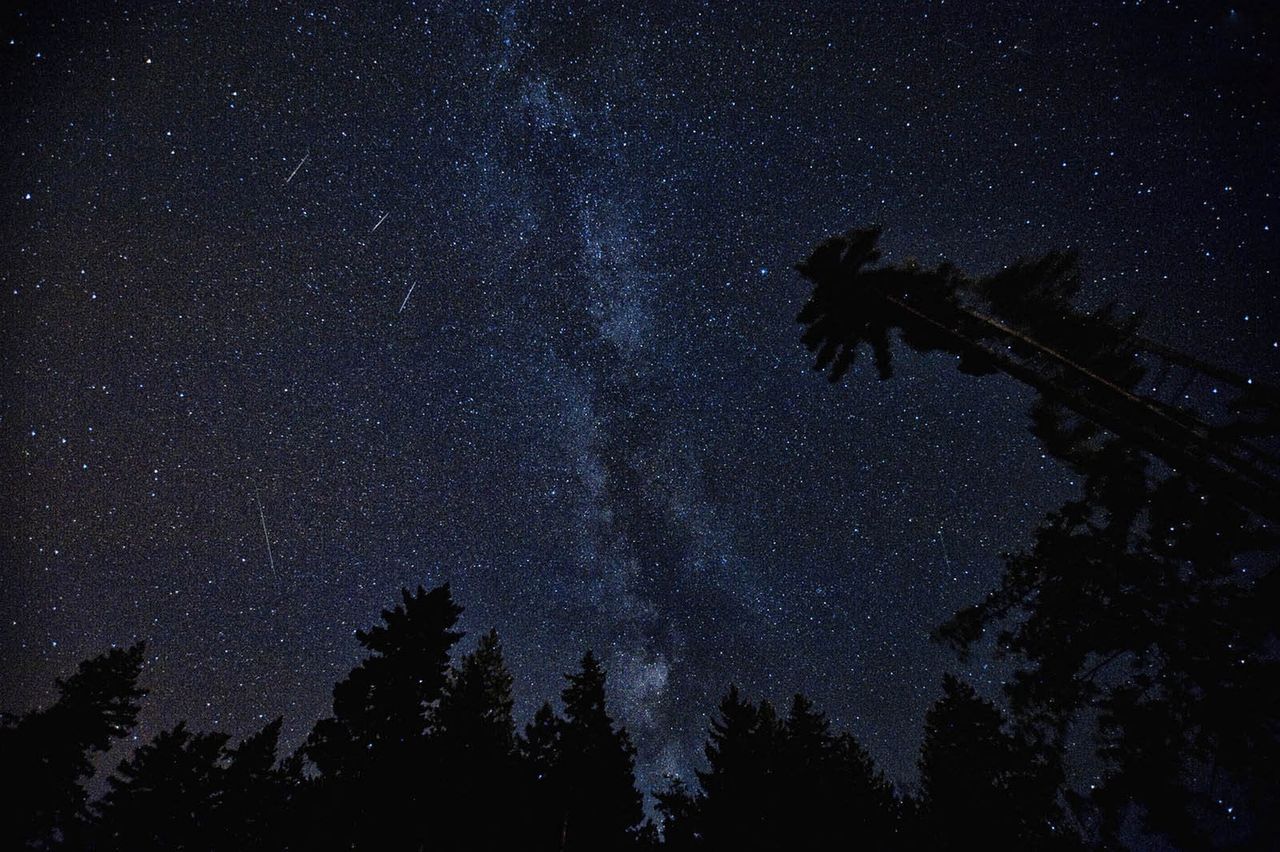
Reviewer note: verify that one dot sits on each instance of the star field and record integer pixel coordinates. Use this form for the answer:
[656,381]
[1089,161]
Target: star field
[502,295]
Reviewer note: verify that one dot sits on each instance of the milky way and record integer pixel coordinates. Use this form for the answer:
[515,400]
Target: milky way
[503,296]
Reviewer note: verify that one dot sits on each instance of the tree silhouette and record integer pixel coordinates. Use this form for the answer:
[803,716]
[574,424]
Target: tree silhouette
[829,785]
[680,812]
[185,790]
[773,785]
[1188,741]
[257,792]
[1151,607]
[1148,605]
[981,787]
[539,750]
[738,785]
[1022,321]
[373,755]
[48,754]
[595,768]
[475,709]
[475,740]
[166,795]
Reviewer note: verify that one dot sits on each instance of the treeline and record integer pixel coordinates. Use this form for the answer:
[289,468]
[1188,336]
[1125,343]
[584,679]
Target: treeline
[1141,619]
[420,754]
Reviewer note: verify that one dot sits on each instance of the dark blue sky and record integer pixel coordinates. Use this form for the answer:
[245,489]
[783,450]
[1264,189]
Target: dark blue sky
[592,413]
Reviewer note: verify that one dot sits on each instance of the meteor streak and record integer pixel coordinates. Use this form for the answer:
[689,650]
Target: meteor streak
[294,172]
[406,297]
[271,560]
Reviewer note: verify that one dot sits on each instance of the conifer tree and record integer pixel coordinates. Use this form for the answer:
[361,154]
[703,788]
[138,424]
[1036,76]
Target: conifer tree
[740,784]
[167,795]
[776,785]
[475,711]
[540,745]
[475,740]
[48,754]
[680,809]
[377,784]
[596,767]
[539,750]
[256,796]
[981,787]
[185,790]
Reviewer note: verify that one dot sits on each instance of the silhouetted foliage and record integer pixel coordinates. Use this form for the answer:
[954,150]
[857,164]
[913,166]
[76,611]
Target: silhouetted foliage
[1147,608]
[1085,365]
[1153,609]
[446,770]
[372,752]
[442,768]
[257,792]
[166,795]
[48,754]
[780,784]
[185,790]
[595,767]
[475,740]
[980,785]
[539,750]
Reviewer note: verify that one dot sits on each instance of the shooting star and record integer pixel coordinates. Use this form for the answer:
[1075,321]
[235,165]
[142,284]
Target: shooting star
[290,177]
[406,297]
[380,221]
[262,516]
[946,557]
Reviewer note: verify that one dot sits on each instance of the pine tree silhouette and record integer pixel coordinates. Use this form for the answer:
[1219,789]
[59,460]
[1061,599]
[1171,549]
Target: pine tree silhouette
[775,785]
[827,787]
[185,790]
[539,750]
[1145,612]
[167,795]
[256,797]
[378,774]
[680,812]
[595,768]
[475,739]
[980,786]
[739,782]
[48,754]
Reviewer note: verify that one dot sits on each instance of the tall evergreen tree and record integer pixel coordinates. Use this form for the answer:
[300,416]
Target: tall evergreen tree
[596,767]
[680,812]
[864,803]
[475,711]
[738,784]
[539,750]
[257,796]
[185,790]
[48,754]
[475,740]
[540,745]
[777,785]
[982,787]
[167,795]
[373,755]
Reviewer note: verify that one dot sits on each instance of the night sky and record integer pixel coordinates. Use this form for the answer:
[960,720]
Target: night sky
[502,296]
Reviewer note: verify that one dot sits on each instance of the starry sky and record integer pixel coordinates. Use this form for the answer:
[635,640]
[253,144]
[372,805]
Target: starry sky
[501,295]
